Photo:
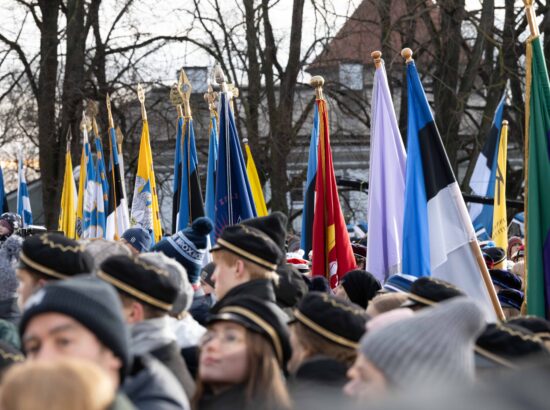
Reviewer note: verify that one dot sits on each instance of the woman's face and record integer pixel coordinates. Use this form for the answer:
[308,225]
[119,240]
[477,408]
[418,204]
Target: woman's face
[223,359]
[366,381]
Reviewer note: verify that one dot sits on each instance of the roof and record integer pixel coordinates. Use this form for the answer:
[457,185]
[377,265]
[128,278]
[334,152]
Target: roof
[362,34]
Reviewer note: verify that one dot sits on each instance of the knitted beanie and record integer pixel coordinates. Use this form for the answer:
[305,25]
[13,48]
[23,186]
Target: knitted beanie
[178,275]
[9,254]
[92,303]
[432,348]
[188,247]
[360,286]
[138,238]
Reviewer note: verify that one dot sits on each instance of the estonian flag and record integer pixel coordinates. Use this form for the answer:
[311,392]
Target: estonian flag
[438,236]
[3,196]
[483,177]
[118,218]
[309,196]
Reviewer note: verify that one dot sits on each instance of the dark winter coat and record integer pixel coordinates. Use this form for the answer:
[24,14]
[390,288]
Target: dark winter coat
[151,386]
[201,307]
[170,356]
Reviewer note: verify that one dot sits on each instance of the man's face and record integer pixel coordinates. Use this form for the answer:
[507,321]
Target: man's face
[50,336]
[4,231]
[224,276]
[27,286]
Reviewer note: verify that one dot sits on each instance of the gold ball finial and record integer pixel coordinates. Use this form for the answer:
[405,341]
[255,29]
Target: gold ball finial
[377,57]
[505,122]
[407,53]
[317,81]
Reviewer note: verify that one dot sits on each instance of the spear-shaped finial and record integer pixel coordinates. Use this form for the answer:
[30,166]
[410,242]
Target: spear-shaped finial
[141,98]
[176,99]
[92,109]
[119,137]
[317,82]
[109,111]
[210,97]
[69,139]
[185,89]
[531,18]
[377,57]
[220,78]
[407,53]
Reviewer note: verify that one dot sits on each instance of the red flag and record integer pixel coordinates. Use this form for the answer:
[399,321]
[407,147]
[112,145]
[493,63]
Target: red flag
[332,253]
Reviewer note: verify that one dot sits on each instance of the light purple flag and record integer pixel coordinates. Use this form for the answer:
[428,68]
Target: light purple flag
[386,184]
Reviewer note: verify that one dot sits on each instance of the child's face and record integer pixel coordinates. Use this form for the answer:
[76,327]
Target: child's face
[224,276]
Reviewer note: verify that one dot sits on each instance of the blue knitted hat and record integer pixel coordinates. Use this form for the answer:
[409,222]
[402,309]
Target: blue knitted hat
[188,247]
[138,237]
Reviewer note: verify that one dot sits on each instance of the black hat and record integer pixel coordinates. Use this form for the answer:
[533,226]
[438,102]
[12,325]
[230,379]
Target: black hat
[251,244]
[427,291]
[259,316]
[91,302]
[55,256]
[510,298]
[291,286]
[273,225]
[496,254]
[360,286]
[337,320]
[207,272]
[537,325]
[505,279]
[506,343]
[141,280]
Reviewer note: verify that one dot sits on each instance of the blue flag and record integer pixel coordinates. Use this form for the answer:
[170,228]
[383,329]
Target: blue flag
[177,176]
[234,202]
[210,204]
[101,176]
[438,235]
[89,217]
[3,196]
[309,195]
[483,177]
[23,200]
[190,203]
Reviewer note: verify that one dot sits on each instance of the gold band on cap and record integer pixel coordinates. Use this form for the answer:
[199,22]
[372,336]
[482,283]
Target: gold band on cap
[245,254]
[420,299]
[262,324]
[324,332]
[41,268]
[133,291]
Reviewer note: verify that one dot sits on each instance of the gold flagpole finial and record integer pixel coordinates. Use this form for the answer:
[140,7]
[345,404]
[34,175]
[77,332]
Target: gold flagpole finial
[141,98]
[220,78]
[109,112]
[317,82]
[407,54]
[531,18]
[210,97]
[377,57]
[119,137]
[176,99]
[69,138]
[185,89]
[92,109]
[234,93]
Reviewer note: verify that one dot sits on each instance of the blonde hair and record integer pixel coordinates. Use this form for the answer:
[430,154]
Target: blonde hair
[59,385]
[315,344]
[384,302]
[255,271]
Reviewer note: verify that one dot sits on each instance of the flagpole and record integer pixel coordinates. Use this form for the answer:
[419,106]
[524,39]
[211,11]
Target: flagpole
[407,54]
[185,89]
[112,126]
[220,79]
[531,18]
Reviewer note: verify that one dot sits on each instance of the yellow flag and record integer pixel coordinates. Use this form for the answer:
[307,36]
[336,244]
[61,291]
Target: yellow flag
[500,222]
[145,204]
[255,185]
[67,216]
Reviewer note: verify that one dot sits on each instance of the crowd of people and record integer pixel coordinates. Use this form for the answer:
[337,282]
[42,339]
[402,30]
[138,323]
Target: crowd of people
[96,325]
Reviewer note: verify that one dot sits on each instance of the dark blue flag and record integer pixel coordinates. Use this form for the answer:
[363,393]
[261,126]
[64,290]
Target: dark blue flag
[210,200]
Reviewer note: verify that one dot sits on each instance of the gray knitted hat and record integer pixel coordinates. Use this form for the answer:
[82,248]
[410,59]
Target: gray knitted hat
[436,346]
[178,274]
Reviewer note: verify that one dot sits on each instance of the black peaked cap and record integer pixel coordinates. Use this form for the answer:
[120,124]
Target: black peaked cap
[259,316]
[428,291]
[335,319]
[273,225]
[54,255]
[141,280]
[251,244]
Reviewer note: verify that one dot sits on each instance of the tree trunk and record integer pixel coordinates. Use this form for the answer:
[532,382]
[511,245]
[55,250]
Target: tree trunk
[47,132]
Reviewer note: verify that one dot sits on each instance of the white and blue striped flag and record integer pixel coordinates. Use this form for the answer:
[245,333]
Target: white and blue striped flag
[23,200]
